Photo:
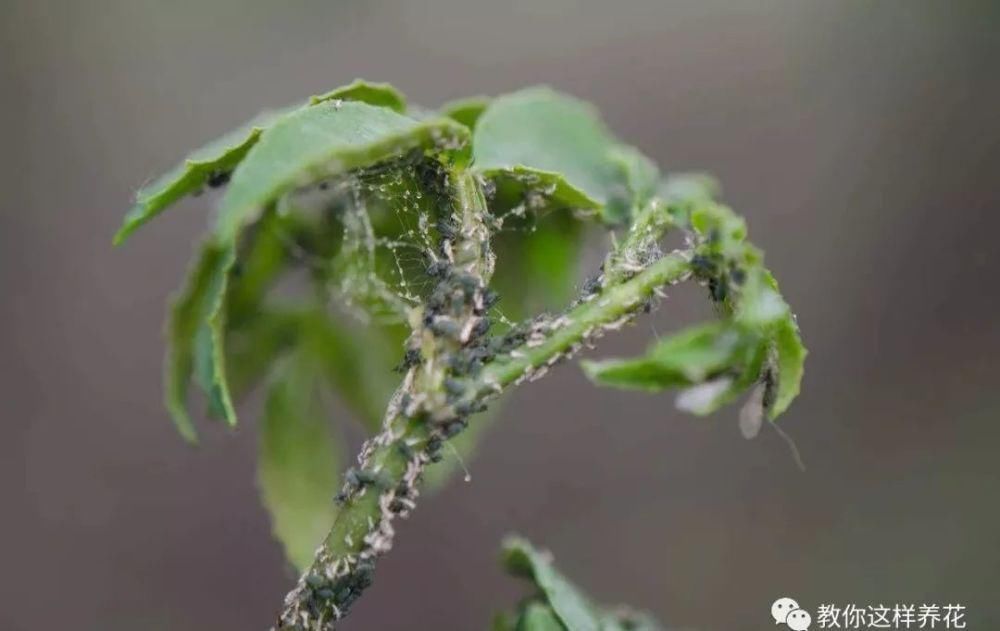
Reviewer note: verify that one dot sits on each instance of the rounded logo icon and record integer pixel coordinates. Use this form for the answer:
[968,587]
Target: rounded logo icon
[781,608]
[798,620]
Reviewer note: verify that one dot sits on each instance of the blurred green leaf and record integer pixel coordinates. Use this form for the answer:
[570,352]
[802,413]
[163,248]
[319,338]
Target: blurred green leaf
[639,178]
[357,360]
[687,357]
[539,617]
[564,606]
[568,603]
[298,462]
[327,139]
[791,365]
[466,111]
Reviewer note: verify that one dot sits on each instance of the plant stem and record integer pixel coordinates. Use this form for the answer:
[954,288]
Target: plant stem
[587,321]
[423,414]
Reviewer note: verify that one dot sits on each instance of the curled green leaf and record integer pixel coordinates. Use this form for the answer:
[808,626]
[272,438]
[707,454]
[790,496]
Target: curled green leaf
[327,139]
[548,144]
[212,164]
[188,322]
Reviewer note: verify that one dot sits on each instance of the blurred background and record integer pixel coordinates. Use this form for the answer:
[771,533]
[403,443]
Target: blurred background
[862,142]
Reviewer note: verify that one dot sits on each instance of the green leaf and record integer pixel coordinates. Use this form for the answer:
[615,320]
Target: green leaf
[216,158]
[190,312]
[791,365]
[466,111]
[568,603]
[298,463]
[539,617]
[378,94]
[220,157]
[547,142]
[327,139]
[687,357]
[639,178]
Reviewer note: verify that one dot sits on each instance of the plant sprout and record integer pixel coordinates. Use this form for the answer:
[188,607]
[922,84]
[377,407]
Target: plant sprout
[420,264]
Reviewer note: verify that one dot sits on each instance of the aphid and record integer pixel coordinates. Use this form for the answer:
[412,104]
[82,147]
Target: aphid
[466,408]
[411,358]
[453,428]
[702,265]
[325,594]
[718,288]
[453,386]
[447,228]
[490,298]
[404,450]
[445,328]
[592,285]
[315,581]
[217,178]
[737,275]
[438,269]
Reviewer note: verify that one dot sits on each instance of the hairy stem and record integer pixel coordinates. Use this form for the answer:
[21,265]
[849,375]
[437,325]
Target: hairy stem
[459,370]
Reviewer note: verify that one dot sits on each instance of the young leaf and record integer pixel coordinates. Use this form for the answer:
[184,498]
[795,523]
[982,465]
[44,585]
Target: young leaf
[638,177]
[298,463]
[569,605]
[327,139]
[378,94]
[189,313]
[791,361]
[685,358]
[545,141]
[466,111]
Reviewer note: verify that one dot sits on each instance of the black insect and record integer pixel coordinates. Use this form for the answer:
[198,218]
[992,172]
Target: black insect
[218,178]
[411,358]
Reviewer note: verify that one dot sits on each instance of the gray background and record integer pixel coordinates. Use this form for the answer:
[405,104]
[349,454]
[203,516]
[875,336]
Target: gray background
[859,138]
